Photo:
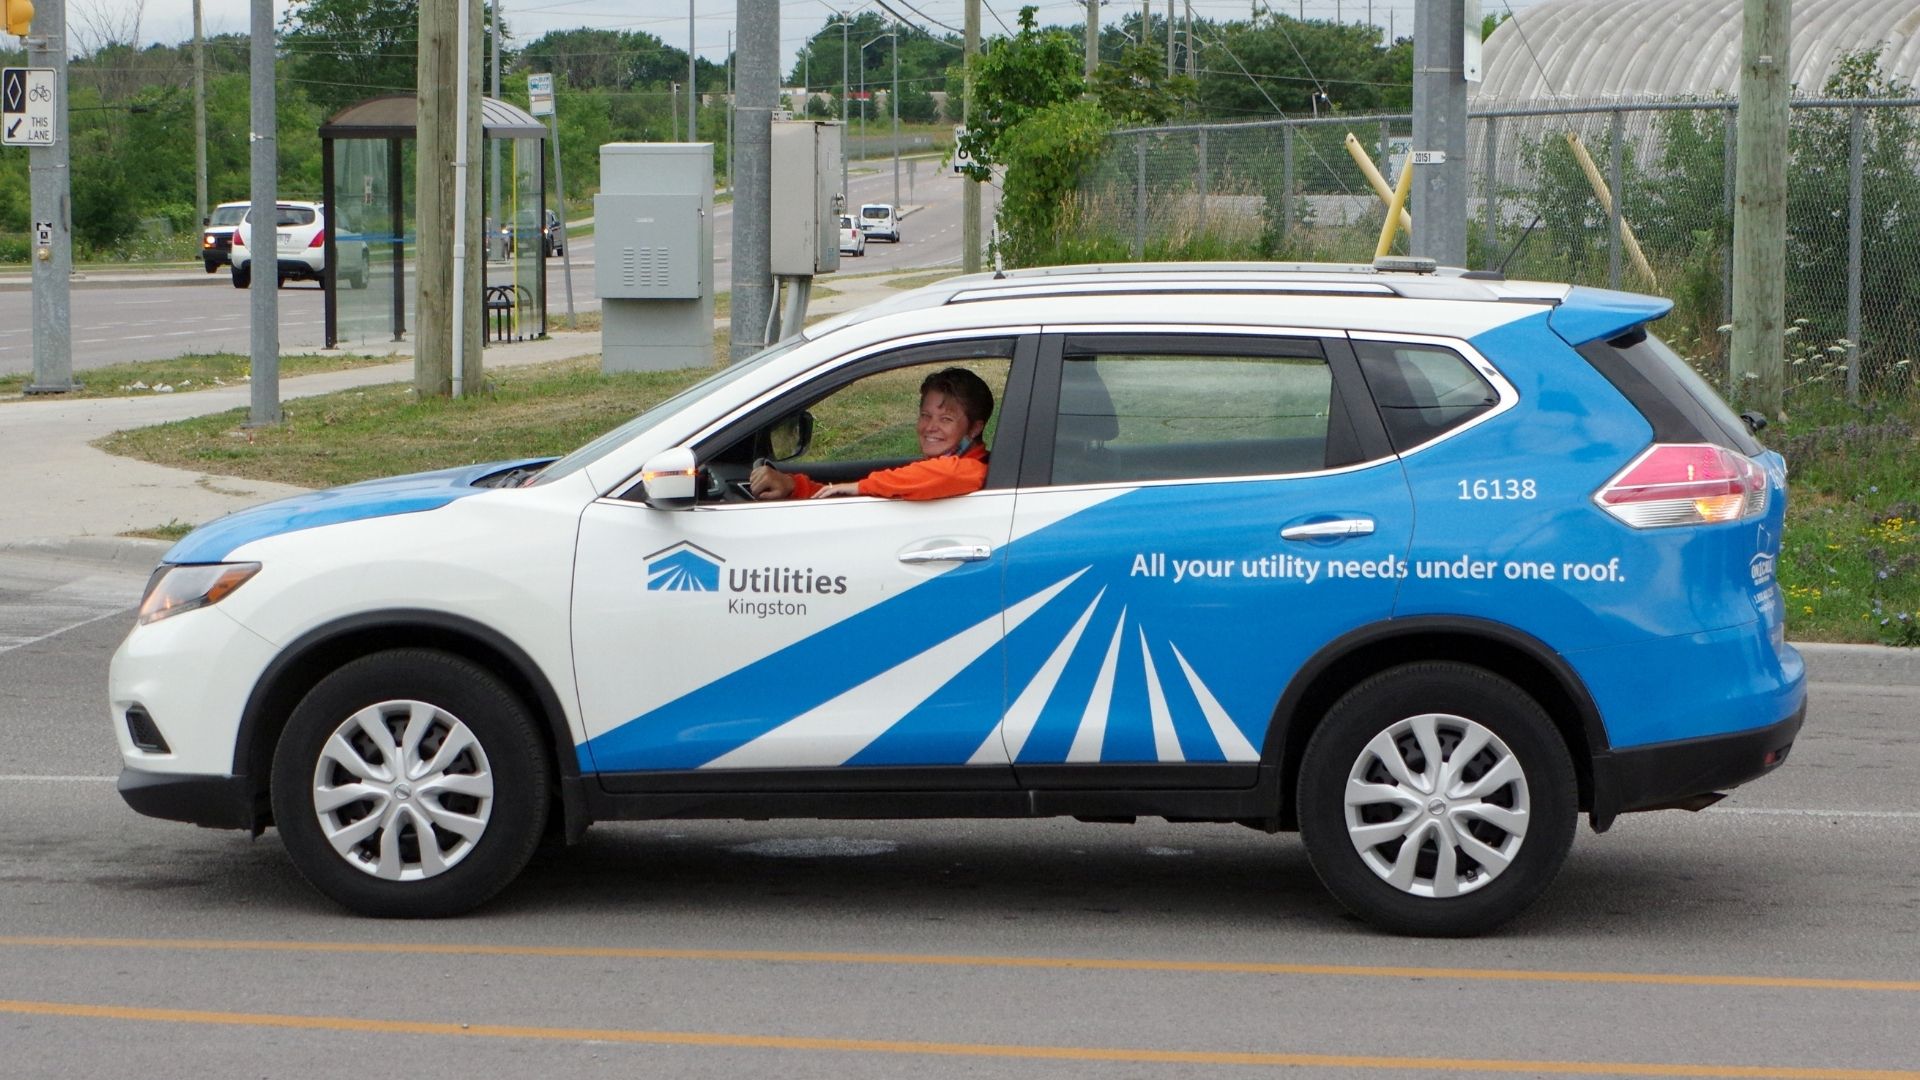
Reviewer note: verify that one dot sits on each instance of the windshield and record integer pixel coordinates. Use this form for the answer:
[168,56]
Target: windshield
[228,215]
[619,436]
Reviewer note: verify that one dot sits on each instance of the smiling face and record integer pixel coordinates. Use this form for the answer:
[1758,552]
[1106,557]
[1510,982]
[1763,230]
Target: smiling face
[943,423]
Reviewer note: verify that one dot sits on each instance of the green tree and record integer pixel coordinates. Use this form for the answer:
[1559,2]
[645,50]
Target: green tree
[1014,78]
[341,51]
[1136,89]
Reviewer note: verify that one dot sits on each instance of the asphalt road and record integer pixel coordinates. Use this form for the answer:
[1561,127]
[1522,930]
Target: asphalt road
[206,314]
[1775,935]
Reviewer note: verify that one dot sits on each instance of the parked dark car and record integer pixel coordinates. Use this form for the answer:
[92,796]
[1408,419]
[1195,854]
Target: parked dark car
[216,235]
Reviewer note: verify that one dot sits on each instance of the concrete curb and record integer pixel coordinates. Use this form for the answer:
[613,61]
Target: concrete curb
[1863,665]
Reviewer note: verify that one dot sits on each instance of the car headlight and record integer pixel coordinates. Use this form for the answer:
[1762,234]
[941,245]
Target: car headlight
[175,588]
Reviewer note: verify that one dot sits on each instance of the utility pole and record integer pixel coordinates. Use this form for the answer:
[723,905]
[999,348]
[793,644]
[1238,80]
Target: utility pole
[200,203]
[1760,208]
[1093,36]
[893,103]
[433,183]
[501,216]
[1171,23]
[753,286]
[263,247]
[970,193]
[846,148]
[693,79]
[1193,51]
[49,189]
[1440,132]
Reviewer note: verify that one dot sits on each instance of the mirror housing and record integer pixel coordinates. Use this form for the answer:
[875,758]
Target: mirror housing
[670,479]
[790,436]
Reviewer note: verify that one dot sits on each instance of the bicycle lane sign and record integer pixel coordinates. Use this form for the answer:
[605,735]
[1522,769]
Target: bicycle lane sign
[27,99]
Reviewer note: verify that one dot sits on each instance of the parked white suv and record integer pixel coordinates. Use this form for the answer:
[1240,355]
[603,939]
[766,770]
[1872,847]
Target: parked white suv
[301,251]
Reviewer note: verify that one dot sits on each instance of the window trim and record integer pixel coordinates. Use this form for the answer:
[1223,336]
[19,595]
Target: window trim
[1349,404]
[1508,395]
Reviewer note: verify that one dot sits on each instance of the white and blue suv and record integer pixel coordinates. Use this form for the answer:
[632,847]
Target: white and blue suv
[1422,565]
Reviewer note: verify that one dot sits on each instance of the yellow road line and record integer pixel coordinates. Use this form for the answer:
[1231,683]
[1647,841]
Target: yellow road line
[1051,963]
[1127,1055]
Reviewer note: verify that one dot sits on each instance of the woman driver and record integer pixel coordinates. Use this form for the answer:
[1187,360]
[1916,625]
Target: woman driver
[954,407]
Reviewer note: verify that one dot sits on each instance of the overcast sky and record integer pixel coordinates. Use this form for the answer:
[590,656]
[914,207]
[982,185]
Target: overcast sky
[166,21]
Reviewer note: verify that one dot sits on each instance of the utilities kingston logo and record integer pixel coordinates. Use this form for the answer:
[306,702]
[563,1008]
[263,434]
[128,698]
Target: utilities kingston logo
[683,567]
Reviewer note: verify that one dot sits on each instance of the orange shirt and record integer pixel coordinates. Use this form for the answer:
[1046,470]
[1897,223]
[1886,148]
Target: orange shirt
[929,478]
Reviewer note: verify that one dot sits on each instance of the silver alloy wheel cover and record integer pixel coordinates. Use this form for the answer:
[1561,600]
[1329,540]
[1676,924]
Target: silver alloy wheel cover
[1435,803]
[395,793]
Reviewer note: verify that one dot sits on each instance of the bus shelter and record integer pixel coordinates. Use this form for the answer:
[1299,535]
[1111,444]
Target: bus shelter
[367,172]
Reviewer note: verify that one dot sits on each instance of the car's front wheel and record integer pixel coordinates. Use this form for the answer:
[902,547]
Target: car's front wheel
[410,783]
[1437,799]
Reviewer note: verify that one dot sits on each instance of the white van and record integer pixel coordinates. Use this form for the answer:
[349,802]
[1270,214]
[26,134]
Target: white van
[880,221]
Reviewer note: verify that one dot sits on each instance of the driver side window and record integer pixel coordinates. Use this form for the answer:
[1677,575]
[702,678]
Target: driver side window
[847,428]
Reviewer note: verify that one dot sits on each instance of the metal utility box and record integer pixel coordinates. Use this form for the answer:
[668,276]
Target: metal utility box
[649,247]
[807,202]
[653,264]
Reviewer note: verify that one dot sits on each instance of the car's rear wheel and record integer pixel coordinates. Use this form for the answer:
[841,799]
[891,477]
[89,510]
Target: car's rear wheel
[242,276]
[1437,799]
[411,784]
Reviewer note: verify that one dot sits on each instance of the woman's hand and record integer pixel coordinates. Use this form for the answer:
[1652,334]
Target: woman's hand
[767,482]
[831,490]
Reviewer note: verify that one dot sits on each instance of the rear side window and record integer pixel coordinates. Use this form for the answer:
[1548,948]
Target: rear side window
[1128,416]
[1422,391]
[1673,397]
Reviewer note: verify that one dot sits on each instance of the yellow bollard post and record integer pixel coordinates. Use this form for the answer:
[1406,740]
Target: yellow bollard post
[1374,179]
[1395,211]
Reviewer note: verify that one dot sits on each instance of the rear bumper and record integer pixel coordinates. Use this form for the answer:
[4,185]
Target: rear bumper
[213,802]
[1670,775]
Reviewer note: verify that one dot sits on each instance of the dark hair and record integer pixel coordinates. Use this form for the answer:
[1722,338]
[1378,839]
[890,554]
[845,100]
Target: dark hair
[963,386]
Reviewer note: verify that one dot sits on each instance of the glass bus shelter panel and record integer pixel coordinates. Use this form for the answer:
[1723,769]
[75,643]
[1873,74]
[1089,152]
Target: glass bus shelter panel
[374,283]
[517,259]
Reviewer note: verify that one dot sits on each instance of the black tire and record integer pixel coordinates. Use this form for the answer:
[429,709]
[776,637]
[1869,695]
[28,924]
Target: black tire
[500,828]
[358,279]
[242,276]
[1525,813]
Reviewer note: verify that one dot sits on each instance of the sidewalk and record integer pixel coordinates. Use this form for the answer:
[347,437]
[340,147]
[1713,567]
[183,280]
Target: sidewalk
[61,488]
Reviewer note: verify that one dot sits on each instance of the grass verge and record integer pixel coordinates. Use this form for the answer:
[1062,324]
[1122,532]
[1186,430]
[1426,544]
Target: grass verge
[182,374]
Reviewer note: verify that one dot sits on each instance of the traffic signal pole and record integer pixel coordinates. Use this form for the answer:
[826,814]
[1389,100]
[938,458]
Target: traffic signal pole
[50,181]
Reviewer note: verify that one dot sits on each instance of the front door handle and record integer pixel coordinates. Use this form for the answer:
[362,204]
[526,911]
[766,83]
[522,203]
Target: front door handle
[1326,530]
[950,553]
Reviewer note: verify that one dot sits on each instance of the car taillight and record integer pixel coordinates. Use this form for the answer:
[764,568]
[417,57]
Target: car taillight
[319,239]
[1685,484]
[238,240]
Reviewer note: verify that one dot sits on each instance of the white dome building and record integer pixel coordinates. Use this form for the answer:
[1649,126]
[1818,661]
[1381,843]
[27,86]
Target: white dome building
[1654,49]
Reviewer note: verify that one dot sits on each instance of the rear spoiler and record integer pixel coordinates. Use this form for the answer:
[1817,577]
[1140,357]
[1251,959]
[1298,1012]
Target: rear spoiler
[1596,314]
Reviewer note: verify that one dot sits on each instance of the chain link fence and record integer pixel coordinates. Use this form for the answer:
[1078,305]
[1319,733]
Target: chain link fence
[1542,205]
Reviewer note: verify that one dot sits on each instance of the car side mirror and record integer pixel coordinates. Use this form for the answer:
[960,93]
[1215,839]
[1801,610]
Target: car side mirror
[670,479]
[790,436]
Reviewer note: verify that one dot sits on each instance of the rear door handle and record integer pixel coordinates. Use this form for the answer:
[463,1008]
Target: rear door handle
[949,553]
[1324,530]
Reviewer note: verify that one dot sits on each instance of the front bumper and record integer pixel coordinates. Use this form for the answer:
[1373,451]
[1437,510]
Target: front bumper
[213,802]
[1677,775]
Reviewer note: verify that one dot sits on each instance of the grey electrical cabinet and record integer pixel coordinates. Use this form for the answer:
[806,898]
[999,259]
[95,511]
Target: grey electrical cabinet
[648,247]
[806,202]
[653,255]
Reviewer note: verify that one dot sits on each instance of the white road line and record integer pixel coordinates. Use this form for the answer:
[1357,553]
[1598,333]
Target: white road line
[8,778]
[1891,815]
[56,633]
